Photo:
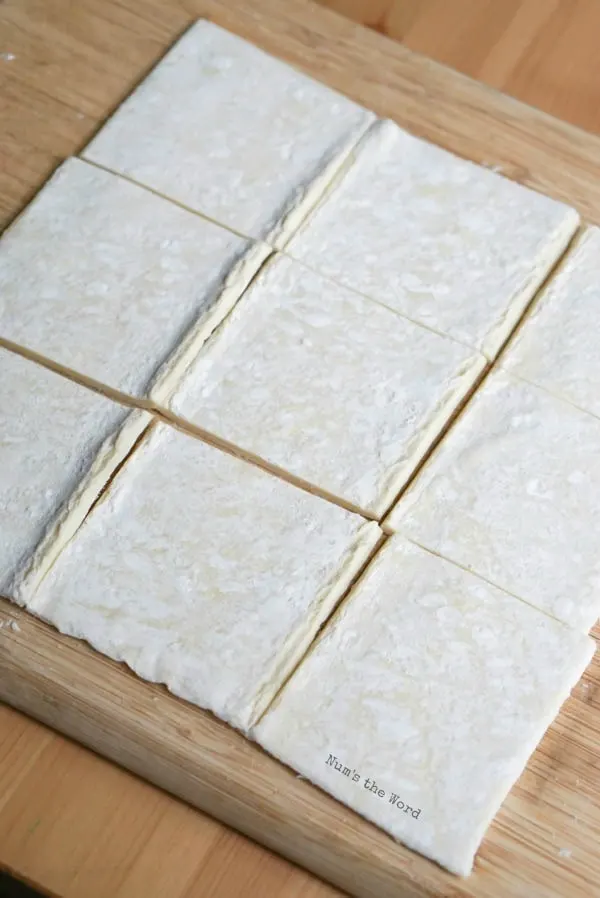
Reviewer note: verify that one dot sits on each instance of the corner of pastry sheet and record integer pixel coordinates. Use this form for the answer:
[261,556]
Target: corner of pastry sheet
[367,543]
[588,650]
[112,454]
[235,283]
[309,198]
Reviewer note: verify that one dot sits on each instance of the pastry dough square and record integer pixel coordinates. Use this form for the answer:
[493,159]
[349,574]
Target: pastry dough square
[59,444]
[233,133]
[450,244]
[422,700]
[558,347]
[513,494]
[335,389]
[114,283]
[205,573]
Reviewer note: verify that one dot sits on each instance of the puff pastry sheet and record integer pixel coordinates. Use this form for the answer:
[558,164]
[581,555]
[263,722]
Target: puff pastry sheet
[421,702]
[59,444]
[114,283]
[448,243]
[558,347]
[513,493]
[233,133]
[334,388]
[205,573]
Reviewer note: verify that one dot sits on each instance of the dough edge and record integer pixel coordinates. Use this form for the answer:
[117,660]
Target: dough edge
[378,136]
[67,521]
[174,370]
[459,861]
[394,479]
[393,521]
[378,131]
[550,255]
[242,716]
[423,440]
[515,362]
[293,651]
[460,864]
[308,197]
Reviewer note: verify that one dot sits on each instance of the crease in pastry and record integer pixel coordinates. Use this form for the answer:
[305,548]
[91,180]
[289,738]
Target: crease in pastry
[377,302]
[554,394]
[476,574]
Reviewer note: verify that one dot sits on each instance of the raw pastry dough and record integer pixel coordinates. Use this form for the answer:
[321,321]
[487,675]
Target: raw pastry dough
[435,687]
[232,132]
[205,573]
[334,388]
[115,283]
[59,445]
[513,493]
[451,245]
[559,345]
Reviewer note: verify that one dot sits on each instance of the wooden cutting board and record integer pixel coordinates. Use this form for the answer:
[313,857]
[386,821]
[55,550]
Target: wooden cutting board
[544,842]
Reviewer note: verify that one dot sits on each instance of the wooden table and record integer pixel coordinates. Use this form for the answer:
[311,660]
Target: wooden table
[69,821]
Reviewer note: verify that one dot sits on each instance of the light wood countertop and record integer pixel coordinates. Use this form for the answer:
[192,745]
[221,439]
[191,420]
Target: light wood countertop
[71,822]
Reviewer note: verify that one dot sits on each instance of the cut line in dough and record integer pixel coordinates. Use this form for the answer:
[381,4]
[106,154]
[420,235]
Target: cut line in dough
[447,243]
[233,133]
[314,380]
[422,700]
[205,573]
[114,284]
[513,494]
[558,346]
[60,445]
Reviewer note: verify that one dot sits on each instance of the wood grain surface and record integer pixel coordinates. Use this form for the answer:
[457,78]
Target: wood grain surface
[544,52]
[73,822]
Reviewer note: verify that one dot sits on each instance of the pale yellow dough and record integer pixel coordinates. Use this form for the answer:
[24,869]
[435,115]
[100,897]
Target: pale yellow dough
[558,347]
[328,386]
[60,444]
[116,285]
[203,572]
[421,702]
[233,133]
[449,244]
[513,494]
